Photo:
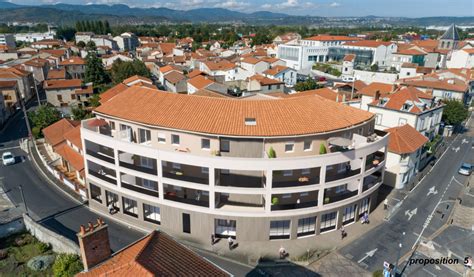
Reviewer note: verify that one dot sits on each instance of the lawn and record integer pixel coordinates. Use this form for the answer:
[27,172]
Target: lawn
[20,249]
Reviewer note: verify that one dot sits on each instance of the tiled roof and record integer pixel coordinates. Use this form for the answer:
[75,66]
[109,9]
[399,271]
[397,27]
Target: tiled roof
[358,85]
[275,70]
[220,65]
[54,52]
[410,52]
[74,136]
[85,90]
[368,43]
[470,51]
[73,61]
[195,73]
[406,95]
[58,84]
[70,155]
[372,88]
[324,92]
[251,60]
[157,254]
[332,38]
[405,139]
[349,57]
[174,77]
[455,85]
[200,82]
[264,81]
[276,117]
[57,74]
[168,68]
[167,47]
[54,133]
[8,84]
[108,94]
[210,93]
[136,78]
[37,62]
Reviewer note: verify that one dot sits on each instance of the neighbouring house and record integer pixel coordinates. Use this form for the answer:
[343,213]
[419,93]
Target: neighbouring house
[54,74]
[368,93]
[24,79]
[409,106]
[75,67]
[165,70]
[108,61]
[366,52]
[463,58]
[261,84]
[175,82]
[121,87]
[127,41]
[48,44]
[62,93]
[38,67]
[410,54]
[9,93]
[286,38]
[197,83]
[405,147]
[254,65]
[156,254]
[282,73]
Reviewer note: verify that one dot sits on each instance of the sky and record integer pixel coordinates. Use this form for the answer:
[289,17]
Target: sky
[407,8]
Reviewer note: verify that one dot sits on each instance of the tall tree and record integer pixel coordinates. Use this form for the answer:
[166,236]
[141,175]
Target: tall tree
[95,71]
[122,70]
[454,113]
[42,117]
[107,27]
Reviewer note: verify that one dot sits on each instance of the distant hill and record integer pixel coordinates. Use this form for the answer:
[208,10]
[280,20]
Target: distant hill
[123,14]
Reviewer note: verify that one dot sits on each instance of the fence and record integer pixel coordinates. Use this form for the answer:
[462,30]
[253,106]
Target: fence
[59,243]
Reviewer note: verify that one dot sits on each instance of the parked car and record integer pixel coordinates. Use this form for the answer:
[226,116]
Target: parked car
[8,158]
[465,169]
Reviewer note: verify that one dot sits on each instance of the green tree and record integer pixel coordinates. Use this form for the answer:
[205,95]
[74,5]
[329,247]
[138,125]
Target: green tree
[454,112]
[107,27]
[42,117]
[81,44]
[95,71]
[122,70]
[66,33]
[322,149]
[79,113]
[90,45]
[94,100]
[67,265]
[309,84]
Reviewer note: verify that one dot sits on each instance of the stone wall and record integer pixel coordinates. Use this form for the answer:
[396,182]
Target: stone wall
[11,227]
[59,243]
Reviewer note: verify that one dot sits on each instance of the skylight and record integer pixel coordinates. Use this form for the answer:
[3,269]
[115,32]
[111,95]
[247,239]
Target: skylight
[250,121]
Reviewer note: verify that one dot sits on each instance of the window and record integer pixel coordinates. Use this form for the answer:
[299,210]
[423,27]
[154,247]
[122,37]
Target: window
[364,207]
[205,144]
[96,193]
[308,145]
[111,197]
[402,121]
[269,87]
[144,136]
[161,138]
[378,119]
[175,139]
[341,188]
[204,170]
[280,229]
[278,86]
[328,222]
[306,171]
[73,96]
[250,121]
[225,228]
[112,125]
[147,162]
[349,214]
[125,132]
[287,173]
[225,145]
[60,97]
[186,223]
[306,226]
[176,166]
[130,207]
[151,213]
[289,147]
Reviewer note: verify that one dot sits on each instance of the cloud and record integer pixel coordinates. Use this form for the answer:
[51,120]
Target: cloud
[293,4]
[334,4]
[232,4]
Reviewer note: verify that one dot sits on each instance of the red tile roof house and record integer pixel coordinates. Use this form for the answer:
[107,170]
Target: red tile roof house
[261,84]
[62,152]
[404,156]
[75,67]
[409,106]
[65,94]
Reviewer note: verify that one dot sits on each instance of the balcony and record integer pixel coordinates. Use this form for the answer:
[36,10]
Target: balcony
[374,159]
[240,178]
[186,173]
[295,178]
[372,180]
[240,202]
[100,152]
[140,189]
[187,196]
[292,201]
[332,196]
[97,125]
[138,163]
[343,174]
[138,184]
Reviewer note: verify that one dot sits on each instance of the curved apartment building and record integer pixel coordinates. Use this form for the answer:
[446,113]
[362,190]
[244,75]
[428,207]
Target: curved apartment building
[256,170]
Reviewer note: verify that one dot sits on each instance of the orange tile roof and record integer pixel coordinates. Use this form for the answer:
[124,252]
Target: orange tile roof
[73,61]
[174,77]
[37,62]
[108,94]
[410,52]
[136,78]
[220,65]
[54,52]
[58,84]
[275,70]
[210,93]
[252,60]
[157,254]
[8,84]
[200,82]
[332,38]
[276,117]
[397,99]
[167,47]
[195,73]
[372,88]
[457,85]
[349,57]
[264,81]
[405,139]
[168,68]
[85,90]
[57,74]
[368,43]
[74,158]
[74,136]
[469,51]
[54,133]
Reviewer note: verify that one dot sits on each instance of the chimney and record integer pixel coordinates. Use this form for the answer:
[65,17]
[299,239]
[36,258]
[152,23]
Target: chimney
[394,87]
[377,95]
[94,244]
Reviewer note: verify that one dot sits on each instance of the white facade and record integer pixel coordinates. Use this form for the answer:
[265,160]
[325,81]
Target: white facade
[461,59]
[381,55]
[255,68]
[400,169]
[7,40]
[33,37]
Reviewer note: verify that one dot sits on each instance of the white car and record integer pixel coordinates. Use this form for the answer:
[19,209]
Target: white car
[8,158]
[465,169]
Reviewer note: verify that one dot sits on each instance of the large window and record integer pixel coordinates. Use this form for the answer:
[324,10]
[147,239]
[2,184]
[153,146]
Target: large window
[306,226]
[280,229]
[111,197]
[144,136]
[328,222]
[225,228]
[130,207]
[225,145]
[151,213]
[349,214]
[364,207]
[95,193]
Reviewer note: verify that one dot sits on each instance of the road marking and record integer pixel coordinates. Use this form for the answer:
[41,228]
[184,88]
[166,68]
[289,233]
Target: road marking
[464,141]
[456,149]
[10,148]
[429,272]
[432,191]
[411,213]
[368,254]
[459,183]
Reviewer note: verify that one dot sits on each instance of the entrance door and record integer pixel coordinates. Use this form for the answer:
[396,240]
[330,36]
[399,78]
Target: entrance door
[186,223]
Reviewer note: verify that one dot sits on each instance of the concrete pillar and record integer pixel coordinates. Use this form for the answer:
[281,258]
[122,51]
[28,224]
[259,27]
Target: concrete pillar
[212,184]
[160,180]
[268,191]
[322,182]
[117,168]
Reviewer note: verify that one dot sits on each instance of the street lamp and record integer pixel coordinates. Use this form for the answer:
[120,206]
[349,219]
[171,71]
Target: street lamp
[36,91]
[23,198]
[398,256]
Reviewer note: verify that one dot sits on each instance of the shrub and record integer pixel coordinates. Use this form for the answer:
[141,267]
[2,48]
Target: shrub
[271,153]
[67,265]
[378,273]
[36,132]
[322,149]
[40,263]
[43,247]
[3,254]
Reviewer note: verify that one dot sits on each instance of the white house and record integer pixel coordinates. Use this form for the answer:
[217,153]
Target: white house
[109,60]
[261,84]
[254,65]
[405,146]
[282,73]
[463,58]
[367,52]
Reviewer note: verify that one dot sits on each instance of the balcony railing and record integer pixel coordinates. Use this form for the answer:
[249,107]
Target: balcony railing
[374,160]
[292,206]
[179,175]
[235,180]
[371,181]
[343,175]
[301,181]
[190,201]
[143,169]
[140,189]
[104,177]
[100,156]
[336,197]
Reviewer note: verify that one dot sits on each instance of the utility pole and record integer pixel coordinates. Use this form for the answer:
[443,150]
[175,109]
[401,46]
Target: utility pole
[25,114]
[398,257]
[23,198]
[37,93]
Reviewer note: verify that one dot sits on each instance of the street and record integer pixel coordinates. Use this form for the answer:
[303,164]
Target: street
[57,211]
[422,213]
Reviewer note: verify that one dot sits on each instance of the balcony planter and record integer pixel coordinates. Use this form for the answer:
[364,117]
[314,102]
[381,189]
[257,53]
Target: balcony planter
[326,200]
[275,201]
[271,153]
[215,153]
[322,149]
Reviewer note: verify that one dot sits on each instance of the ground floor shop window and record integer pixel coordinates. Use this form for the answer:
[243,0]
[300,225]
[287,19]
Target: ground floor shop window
[349,214]
[364,207]
[151,213]
[306,226]
[130,207]
[225,228]
[280,229]
[328,222]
